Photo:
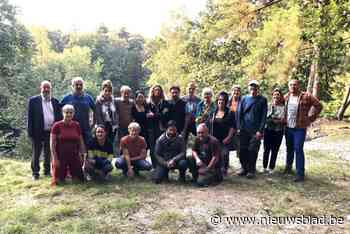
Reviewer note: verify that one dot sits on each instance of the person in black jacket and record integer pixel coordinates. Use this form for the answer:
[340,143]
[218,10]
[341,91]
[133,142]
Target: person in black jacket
[222,126]
[170,154]
[178,109]
[43,112]
[252,118]
[158,114]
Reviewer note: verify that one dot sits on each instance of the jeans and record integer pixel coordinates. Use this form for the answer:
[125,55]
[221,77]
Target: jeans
[121,132]
[138,165]
[295,138]
[162,172]
[153,134]
[272,143]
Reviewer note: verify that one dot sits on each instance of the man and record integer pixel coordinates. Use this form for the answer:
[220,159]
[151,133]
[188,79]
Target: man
[83,104]
[178,109]
[298,117]
[170,154]
[205,160]
[191,106]
[124,106]
[134,149]
[43,111]
[252,118]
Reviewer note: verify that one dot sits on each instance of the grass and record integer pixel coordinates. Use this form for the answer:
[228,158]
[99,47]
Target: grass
[137,205]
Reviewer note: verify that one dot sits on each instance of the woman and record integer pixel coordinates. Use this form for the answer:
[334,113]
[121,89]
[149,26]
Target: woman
[67,147]
[100,150]
[274,130]
[157,117]
[139,113]
[233,104]
[222,127]
[106,110]
[206,107]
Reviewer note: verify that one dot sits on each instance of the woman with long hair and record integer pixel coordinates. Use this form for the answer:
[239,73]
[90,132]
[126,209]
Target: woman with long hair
[139,113]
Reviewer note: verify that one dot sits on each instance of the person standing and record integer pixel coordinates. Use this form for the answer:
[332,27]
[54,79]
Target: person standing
[298,116]
[274,131]
[177,109]
[252,118]
[43,111]
[139,113]
[192,102]
[83,105]
[233,104]
[124,106]
[206,107]
[106,110]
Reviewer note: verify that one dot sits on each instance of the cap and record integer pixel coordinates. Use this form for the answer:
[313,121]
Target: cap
[253,82]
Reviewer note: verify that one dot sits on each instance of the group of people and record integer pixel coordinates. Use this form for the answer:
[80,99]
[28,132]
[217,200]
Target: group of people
[126,129]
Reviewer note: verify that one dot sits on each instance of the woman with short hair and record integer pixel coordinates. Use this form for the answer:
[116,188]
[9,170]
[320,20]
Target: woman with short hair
[206,107]
[67,147]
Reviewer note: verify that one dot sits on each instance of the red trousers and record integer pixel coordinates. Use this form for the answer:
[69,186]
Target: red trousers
[67,163]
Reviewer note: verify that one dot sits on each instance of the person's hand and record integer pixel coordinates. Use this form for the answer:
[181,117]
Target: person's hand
[171,164]
[150,115]
[199,163]
[202,170]
[226,140]
[259,135]
[130,172]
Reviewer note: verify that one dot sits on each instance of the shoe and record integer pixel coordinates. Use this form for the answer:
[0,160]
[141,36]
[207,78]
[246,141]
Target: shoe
[88,178]
[270,171]
[288,171]
[299,179]
[242,172]
[250,175]
[35,177]
[47,174]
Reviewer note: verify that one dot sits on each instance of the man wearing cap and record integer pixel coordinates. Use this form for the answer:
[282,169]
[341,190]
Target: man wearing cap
[252,117]
[43,111]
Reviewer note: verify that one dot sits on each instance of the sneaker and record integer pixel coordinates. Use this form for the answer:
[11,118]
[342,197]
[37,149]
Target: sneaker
[88,177]
[270,171]
[250,175]
[241,172]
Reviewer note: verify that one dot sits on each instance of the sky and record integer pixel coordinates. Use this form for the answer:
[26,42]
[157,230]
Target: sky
[137,16]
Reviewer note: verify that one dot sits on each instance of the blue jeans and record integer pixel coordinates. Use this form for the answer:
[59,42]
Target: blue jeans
[138,165]
[295,138]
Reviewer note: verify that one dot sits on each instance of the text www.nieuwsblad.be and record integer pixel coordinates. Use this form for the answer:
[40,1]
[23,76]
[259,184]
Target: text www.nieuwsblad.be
[273,220]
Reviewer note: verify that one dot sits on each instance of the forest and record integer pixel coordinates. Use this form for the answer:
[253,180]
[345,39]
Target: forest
[230,42]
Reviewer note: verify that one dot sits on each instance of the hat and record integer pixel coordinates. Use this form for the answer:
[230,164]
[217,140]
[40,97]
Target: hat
[253,82]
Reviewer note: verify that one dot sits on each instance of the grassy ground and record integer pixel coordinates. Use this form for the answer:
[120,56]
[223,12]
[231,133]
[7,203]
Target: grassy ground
[136,205]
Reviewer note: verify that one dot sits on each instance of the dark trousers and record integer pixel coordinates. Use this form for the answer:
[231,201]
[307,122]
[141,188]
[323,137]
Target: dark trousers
[110,132]
[138,165]
[295,138]
[211,176]
[121,132]
[272,143]
[153,134]
[39,145]
[249,149]
[161,173]
[225,156]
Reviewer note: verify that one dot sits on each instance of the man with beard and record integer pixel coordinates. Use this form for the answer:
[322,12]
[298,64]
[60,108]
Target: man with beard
[83,103]
[170,154]
[43,112]
[205,161]
[178,109]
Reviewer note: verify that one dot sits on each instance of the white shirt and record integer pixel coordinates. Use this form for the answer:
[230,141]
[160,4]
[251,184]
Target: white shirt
[292,111]
[48,114]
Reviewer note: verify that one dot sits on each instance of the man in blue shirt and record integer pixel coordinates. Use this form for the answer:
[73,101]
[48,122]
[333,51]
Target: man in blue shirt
[83,103]
[252,117]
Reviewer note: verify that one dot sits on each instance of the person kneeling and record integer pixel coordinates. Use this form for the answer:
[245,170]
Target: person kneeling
[170,154]
[205,160]
[134,150]
[97,165]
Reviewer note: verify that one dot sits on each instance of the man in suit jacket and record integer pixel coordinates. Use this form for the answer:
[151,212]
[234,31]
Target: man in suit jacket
[43,111]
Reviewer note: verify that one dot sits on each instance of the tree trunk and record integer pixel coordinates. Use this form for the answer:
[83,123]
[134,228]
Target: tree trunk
[316,77]
[310,82]
[345,104]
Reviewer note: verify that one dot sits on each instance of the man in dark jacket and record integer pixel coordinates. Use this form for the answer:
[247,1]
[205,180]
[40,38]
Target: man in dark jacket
[252,117]
[170,154]
[43,112]
[178,109]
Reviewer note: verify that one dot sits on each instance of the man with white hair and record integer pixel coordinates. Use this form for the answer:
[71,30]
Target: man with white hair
[124,106]
[43,112]
[206,107]
[83,103]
